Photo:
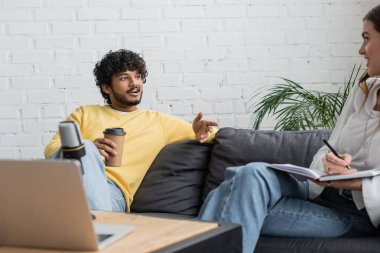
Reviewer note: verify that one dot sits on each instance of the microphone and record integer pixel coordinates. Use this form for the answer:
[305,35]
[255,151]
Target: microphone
[72,144]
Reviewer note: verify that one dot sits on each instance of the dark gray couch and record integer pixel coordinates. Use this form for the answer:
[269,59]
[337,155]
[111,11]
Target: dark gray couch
[185,172]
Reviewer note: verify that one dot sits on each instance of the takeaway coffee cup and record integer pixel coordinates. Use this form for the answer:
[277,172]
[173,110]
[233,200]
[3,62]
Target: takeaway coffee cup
[116,135]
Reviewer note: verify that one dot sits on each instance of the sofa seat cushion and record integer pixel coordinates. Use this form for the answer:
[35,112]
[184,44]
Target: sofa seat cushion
[236,147]
[318,245]
[175,181]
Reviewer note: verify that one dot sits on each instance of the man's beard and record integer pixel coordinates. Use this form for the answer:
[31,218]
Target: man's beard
[120,99]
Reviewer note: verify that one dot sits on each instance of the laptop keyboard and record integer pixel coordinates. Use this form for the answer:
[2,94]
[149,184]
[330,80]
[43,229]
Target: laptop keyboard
[102,237]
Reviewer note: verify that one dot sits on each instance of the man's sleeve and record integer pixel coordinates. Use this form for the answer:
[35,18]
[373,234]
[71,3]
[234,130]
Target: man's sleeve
[176,129]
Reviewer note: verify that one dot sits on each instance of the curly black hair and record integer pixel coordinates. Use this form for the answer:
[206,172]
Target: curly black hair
[114,63]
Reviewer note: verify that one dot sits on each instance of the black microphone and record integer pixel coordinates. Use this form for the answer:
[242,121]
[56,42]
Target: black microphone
[72,144]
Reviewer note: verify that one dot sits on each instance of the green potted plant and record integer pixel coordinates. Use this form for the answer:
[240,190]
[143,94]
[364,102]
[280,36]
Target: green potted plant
[295,108]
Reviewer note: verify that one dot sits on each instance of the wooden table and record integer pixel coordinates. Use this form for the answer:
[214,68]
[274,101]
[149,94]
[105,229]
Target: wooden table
[150,233]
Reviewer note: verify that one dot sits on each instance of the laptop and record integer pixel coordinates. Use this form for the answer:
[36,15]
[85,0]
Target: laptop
[43,205]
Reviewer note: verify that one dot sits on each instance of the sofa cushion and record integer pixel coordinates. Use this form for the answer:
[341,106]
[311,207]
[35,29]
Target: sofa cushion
[320,245]
[175,181]
[235,147]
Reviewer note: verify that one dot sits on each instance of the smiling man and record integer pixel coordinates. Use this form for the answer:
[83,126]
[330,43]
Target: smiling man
[120,77]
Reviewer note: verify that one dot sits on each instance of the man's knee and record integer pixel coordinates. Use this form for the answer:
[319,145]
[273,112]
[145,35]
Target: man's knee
[92,159]
[89,145]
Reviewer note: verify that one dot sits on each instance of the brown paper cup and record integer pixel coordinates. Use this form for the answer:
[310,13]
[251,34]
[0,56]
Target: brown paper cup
[116,135]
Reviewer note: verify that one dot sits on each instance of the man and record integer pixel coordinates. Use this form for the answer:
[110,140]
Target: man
[120,77]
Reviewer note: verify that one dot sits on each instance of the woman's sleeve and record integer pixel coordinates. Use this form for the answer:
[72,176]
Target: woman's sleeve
[314,189]
[371,197]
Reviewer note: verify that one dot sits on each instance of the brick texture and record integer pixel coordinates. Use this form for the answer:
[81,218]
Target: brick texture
[201,55]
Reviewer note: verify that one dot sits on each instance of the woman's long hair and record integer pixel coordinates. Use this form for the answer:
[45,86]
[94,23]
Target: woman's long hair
[373,16]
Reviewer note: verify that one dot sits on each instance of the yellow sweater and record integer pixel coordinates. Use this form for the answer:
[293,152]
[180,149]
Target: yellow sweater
[147,133]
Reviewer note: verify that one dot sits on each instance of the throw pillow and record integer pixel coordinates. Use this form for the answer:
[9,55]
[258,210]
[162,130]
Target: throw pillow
[175,181]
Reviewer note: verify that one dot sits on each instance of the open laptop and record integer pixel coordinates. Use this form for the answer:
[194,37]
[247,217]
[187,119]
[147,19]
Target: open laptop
[43,205]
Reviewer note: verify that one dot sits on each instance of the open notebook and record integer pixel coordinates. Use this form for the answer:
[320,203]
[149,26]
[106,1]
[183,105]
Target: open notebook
[43,205]
[319,176]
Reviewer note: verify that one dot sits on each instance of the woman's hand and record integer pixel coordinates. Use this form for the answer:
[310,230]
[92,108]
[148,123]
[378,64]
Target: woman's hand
[334,165]
[106,147]
[337,165]
[349,184]
[203,128]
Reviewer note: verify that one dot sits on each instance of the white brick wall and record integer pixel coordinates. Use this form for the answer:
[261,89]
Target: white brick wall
[202,55]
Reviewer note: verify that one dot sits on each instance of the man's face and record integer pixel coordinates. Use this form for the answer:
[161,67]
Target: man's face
[370,48]
[126,90]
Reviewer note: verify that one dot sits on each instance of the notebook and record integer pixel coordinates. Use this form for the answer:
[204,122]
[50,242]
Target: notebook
[320,176]
[43,205]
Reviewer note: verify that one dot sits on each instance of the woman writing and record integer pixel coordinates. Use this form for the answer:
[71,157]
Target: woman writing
[272,203]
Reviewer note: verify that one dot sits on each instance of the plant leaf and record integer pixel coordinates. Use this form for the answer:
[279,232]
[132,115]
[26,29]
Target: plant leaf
[295,108]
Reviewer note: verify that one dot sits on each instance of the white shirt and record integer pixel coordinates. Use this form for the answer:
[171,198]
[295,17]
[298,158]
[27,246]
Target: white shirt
[357,133]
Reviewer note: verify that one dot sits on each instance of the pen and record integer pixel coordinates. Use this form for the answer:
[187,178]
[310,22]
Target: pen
[334,151]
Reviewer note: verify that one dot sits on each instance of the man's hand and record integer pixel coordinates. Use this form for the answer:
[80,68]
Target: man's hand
[106,147]
[203,128]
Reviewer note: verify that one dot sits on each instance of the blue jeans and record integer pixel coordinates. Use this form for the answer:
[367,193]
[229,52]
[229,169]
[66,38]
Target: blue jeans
[102,193]
[272,203]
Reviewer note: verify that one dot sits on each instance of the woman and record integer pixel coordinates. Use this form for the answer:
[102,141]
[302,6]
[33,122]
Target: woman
[273,203]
